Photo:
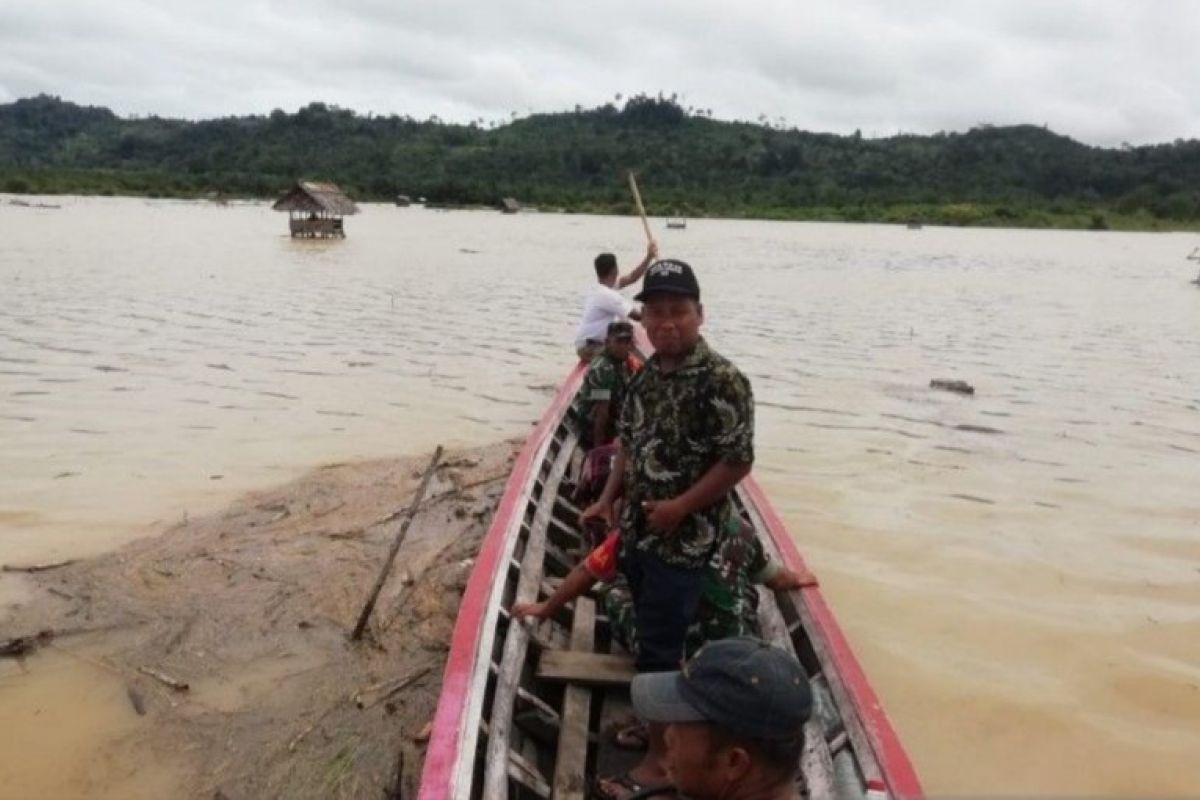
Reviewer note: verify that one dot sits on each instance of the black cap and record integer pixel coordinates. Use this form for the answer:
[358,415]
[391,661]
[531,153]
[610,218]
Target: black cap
[743,684]
[620,329]
[670,276]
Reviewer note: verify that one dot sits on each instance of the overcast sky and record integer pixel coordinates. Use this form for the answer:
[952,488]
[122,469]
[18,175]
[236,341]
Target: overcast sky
[1102,71]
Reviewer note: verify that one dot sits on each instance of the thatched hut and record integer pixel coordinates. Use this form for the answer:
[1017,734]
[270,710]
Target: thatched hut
[316,210]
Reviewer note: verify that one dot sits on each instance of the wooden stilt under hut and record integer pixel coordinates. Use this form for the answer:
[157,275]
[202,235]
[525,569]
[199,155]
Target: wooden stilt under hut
[315,210]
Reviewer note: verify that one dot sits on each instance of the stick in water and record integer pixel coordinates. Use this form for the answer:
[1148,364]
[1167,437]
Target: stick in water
[38,567]
[637,200]
[399,540]
[164,678]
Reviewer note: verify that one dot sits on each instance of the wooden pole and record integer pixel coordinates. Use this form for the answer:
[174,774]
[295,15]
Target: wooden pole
[399,540]
[637,200]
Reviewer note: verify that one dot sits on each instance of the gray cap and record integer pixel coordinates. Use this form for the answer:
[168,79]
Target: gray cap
[743,684]
[621,329]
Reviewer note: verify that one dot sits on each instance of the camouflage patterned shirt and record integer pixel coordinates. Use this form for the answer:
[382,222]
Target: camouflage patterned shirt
[606,379]
[674,427]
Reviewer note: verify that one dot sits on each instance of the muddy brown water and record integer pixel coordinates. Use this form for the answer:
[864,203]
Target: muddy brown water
[1019,570]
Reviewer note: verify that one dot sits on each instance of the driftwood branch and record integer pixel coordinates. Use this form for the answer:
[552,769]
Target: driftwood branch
[18,646]
[312,727]
[164,679]
[316,723]
[37,567]
[456,492]
[388,689]
[365,616]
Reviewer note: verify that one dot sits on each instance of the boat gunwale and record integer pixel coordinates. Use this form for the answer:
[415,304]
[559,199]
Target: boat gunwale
[443,767]
[896,768]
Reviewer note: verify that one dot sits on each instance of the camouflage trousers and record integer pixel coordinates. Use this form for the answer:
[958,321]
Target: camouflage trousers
[708,625]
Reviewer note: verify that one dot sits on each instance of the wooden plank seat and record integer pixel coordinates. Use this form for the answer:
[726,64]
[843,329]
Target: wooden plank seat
[591,669]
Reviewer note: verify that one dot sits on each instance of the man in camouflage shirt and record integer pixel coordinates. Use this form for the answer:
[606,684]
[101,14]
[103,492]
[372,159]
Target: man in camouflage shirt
[597,404]
[675,427]
[686,437]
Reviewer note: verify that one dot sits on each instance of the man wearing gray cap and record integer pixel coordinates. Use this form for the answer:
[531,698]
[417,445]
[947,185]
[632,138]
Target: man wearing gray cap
[735,719]
[597,404]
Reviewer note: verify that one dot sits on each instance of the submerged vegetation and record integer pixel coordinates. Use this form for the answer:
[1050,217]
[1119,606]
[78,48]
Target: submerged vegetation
[692,164]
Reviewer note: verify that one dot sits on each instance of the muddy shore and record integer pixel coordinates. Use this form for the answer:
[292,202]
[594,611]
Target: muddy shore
[251,608]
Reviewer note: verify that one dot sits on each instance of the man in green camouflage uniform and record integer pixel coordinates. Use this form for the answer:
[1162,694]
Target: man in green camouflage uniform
[597,404]
[728,599]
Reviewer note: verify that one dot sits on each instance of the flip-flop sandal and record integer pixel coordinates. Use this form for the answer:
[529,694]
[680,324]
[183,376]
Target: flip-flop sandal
[635,790]
[632,737]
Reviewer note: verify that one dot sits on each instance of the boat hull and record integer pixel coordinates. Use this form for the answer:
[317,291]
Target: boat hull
[477,750]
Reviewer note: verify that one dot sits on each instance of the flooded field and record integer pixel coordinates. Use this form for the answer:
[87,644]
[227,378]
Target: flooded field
[1019,570]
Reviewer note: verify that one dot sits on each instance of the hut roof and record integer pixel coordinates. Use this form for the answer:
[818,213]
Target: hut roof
[314,197]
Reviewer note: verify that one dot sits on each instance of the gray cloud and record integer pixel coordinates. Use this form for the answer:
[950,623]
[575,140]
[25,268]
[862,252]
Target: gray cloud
[1099,70]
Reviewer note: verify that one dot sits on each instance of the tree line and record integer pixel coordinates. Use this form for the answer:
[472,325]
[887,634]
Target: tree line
[690,163]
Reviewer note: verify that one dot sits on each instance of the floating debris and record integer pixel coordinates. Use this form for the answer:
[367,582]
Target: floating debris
[960,387]
[164,678]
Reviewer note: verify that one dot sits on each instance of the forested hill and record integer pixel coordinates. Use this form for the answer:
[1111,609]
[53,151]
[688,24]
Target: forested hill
[690,164]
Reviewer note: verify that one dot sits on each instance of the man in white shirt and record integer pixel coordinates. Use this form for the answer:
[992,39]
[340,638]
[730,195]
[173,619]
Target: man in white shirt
[604,304]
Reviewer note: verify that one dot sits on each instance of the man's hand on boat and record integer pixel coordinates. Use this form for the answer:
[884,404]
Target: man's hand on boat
[599,510]
[522,610]
[786,580]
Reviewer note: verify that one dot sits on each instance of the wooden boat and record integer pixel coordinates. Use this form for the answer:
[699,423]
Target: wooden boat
[525,711]
[677,223]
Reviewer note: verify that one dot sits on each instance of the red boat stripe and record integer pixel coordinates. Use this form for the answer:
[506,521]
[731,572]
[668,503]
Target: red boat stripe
[442,752]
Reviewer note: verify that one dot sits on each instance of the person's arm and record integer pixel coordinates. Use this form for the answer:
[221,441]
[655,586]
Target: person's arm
[775,576]
[617,306]
[782,579]
[578,581]
[640,269]
[601,410]
[603,507]
[664,516]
